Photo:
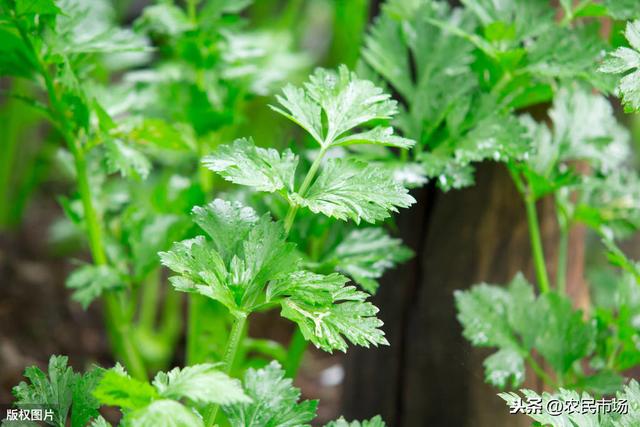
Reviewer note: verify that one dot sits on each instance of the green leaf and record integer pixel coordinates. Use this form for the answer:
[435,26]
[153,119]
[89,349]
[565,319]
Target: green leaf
[148,233]
[262,60]
[610,202]
[349,188]
[202,383]
[166,413]
[326,310]
[255,255]
[100,422]
[60,390]
[449,173]
[428,66]
[563,337]
[629,418]
[158,133]
[515,321]
[73,97]
[482,132]
[386,52]
[125,159]
[165,19]
[201,270]
[521,313]
[245,164]
[302,110]
[327,327]
[365,254]
[116,388]
[604,144]
[85,405]
[264,256]
[482,310]
[562,419]
[312,288]
[498,137]
[16,59]
[36,7]
[618,258]
[373,422]
[214,9]
[378,136]
[626,61]
[346,101]
[52,391]
[623,9]
[602,383]
[90,28]
[227,223]
[407,174]
[568,53]
[274,401]
[504,367]
[91,281]
[529,17]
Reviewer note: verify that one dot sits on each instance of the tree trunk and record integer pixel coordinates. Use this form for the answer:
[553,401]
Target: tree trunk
[430,375]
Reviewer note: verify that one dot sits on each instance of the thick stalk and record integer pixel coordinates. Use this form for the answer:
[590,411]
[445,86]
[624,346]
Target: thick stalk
[291,14]
[237,332]
[295,352]
[171,319]
[7,159]
[536,244]
[193,327]
[149,303]
[118,324]
[563,249]
[349,25]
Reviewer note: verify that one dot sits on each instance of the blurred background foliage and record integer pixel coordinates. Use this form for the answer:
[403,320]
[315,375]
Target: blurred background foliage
[199,74]
[209,78]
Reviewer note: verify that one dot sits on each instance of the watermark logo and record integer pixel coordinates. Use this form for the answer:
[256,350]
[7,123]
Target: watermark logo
[554,407]
[44,415]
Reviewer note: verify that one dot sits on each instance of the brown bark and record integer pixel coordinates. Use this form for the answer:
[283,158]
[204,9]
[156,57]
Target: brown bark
[430,375]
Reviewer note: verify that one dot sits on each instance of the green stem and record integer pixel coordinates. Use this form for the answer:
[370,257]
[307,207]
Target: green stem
[171,321]
[534,229]
[193,327]
[349,25]
[539,371]
[293,209]
[563,249]
[611,360]
[298,344]
[192,12]
[237,332]
[295,352]
[116,320]
[291,14]
[149,303]
[7,159]
[536,244]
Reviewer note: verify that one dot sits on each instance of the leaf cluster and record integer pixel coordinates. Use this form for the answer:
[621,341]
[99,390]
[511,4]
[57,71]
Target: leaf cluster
[517,322]
[178,398]
[248,265]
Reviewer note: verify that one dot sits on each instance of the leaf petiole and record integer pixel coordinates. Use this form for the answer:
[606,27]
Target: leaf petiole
[237,331]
